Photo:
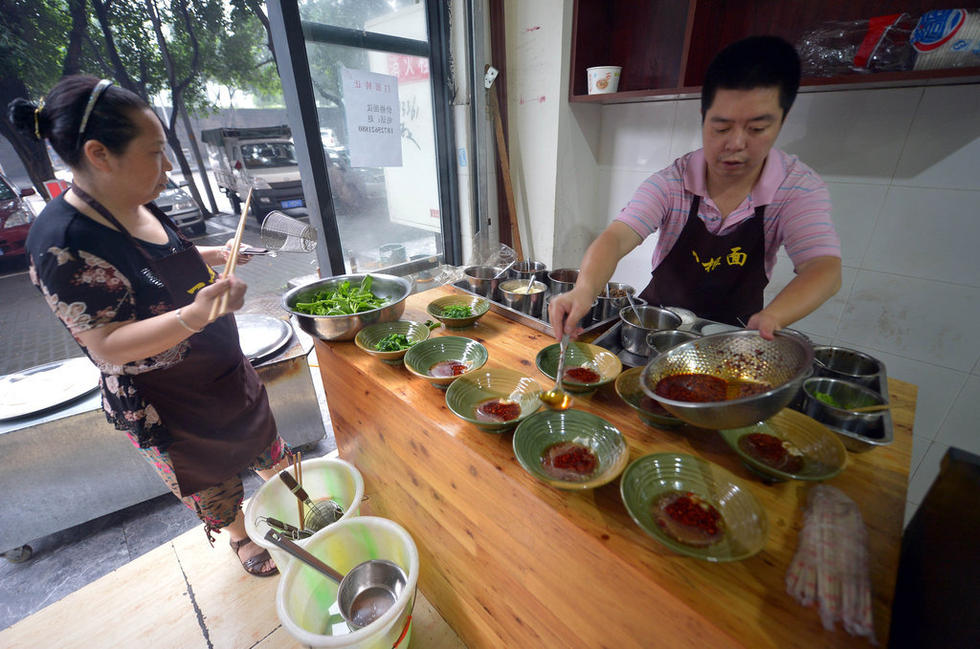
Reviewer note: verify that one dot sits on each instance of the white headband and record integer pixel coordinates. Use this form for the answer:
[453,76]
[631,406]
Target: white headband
[97,91]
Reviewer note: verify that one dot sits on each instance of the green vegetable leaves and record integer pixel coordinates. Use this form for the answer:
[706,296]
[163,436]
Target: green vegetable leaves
[345,300]
[457,311]
[394,343]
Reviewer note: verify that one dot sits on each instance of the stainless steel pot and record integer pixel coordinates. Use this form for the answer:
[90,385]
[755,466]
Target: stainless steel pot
[514,293]
[609,307]
[483,280]
[633,332]
[562,280]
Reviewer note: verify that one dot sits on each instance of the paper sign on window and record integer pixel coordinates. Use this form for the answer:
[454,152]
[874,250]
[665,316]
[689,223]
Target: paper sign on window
[373,127]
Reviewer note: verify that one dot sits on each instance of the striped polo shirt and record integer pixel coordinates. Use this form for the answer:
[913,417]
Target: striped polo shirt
[797,208]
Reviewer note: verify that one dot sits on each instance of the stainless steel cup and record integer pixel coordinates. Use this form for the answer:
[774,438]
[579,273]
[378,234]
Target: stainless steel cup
[483,280]
[562,280]
[524,270]
[633,332]
[513,293]
[609,307]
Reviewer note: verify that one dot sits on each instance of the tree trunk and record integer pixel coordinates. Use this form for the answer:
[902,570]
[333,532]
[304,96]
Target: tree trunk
[79,21]
[32,153]
[196,150]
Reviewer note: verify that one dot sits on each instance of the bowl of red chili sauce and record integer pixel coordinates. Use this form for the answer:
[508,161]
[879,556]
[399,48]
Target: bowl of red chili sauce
[494,399]
[729,380]
[443,359]
[587,366]
[570,449]
[650,412]
[788,446]
[694,507]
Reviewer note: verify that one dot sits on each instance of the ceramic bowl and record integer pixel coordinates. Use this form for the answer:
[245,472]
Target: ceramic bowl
[369,337]
[478,306]
[467,394]
[597,359]
[629,390]
[537,433]
[421,357]
[824,455]
[650,477]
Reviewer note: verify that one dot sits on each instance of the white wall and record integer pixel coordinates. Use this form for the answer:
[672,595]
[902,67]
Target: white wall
[902,168]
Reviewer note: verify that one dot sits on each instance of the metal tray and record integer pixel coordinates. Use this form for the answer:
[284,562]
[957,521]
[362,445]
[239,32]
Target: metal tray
[47,386]
[261,336]
[534,323]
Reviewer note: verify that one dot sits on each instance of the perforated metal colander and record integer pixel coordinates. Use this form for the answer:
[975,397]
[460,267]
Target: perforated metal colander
[782,363]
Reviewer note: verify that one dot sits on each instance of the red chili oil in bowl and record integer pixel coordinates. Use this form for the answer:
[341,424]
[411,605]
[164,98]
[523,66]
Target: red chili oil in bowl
[445,369]
[582,375]
[569,461]
[498,410]
[703,388]
[771,451]
[688,519]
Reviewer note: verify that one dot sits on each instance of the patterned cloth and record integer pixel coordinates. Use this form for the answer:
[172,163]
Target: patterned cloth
[797,212]
[91,276]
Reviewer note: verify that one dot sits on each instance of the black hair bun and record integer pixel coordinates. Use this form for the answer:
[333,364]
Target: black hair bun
[21,113]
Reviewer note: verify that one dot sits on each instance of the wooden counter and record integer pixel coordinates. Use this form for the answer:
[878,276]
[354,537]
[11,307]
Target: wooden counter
[510,562]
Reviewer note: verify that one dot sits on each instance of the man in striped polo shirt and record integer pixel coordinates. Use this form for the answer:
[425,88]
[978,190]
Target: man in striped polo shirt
[724,210]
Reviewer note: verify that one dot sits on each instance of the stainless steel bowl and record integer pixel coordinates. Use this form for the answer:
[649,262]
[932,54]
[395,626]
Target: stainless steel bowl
[865,424]
[661,341]
[782,363]
[345,327]
[848,364]
[562,280]
[633,332]
[524,270]
[513,295]
[483,280]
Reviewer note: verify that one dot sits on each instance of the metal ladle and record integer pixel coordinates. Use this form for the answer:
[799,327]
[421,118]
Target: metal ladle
[365,593]
[506,268]
[639,320]
[556,398]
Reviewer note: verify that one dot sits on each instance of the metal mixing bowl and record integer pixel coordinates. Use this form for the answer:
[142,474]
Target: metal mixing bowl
[783,363]
[345,327]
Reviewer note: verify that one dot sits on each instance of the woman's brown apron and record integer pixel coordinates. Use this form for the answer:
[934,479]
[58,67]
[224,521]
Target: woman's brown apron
[718,277]
[213,403]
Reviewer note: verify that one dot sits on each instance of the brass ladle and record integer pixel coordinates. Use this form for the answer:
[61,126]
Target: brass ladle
[556,398]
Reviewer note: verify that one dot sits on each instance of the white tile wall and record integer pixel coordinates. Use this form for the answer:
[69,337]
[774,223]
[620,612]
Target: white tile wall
[902,168]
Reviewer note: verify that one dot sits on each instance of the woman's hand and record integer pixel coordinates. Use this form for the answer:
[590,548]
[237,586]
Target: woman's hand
[197,314]
[226,253]
[566,310]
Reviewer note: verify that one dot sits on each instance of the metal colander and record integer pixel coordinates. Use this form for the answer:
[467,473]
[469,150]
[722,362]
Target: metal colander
[734,355]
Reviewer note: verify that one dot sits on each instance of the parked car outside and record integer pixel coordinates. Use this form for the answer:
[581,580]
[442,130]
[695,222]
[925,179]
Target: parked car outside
[179,206]
[16,217]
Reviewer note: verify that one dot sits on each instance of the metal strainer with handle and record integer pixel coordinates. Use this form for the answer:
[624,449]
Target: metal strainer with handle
[282,232]
[782,363]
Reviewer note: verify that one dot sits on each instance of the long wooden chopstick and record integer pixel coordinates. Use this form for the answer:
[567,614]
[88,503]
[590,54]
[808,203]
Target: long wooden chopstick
[221,304]
[298,472]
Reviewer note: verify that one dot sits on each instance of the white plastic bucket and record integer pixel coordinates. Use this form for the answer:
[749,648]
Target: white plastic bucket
[306,600]
[603,79]
[322,477]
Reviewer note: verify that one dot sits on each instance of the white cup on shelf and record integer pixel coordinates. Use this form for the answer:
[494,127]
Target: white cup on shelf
[603,79]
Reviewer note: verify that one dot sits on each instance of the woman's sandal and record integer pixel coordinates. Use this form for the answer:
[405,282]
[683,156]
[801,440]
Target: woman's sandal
[252,565]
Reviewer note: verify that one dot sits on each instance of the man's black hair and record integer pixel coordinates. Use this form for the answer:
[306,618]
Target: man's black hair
[754,62]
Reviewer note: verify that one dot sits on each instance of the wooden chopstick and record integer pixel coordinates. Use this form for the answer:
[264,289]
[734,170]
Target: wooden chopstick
[221,304]
[297,459]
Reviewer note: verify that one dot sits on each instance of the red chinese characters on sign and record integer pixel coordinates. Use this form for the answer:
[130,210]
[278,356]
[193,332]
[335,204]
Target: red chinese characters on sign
[408,68]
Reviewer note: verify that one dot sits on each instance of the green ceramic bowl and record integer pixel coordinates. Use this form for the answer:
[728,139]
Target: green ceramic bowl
[421,357]
[478,305]
[595,358]
[467,394]
[648,478]
[823,453]
[537,433]
[629,390]
[368,337]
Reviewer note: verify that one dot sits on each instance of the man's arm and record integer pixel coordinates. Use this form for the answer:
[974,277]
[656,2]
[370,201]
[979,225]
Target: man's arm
[816,281]
[597,267]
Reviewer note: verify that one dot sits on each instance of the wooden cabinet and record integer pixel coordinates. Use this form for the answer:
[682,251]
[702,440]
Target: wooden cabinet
[665,46]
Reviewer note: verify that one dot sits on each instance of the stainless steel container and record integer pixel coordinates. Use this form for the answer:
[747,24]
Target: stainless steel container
[524,270]
[562,280]
[846,364]
[515,294]
[584,322]
[345,327]
[483,280]
[609,307]
[661,341]
[633,332]
[847,393]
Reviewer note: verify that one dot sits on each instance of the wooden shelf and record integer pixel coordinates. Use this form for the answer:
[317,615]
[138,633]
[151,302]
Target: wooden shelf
[665,46]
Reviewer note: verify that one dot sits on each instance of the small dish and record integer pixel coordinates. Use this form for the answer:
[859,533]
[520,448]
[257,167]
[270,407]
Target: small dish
[536,434]
[823,454]
[598,359]
[464,397]
[477,305]
[650,412]
[368,338]
[422,357]
[651,477]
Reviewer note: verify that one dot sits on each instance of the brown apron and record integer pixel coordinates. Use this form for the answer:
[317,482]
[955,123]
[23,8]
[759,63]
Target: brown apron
[213,403]
[718,277]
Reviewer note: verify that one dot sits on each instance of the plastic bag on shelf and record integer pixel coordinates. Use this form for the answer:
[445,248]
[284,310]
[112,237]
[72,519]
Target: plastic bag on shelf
[878,44]
[831,567]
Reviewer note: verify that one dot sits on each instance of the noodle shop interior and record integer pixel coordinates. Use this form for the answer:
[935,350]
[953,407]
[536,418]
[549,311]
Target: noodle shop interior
[566,323]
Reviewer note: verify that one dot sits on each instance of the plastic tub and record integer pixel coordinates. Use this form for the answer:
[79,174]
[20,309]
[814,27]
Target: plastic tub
[322,476]
[603,79]
[306,601]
